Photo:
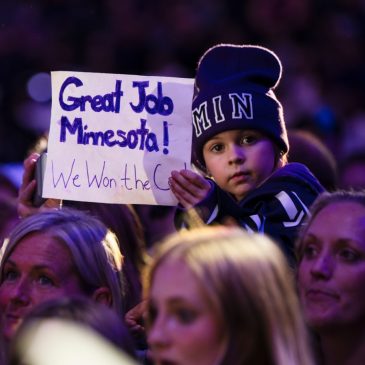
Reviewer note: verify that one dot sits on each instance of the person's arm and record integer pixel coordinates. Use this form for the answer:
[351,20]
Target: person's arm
[27,188]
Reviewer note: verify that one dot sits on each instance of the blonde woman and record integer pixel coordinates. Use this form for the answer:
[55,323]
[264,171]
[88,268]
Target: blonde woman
[220,296]
[331,276]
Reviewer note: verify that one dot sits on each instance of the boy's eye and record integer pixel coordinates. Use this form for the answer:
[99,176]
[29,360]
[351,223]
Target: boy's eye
[218,147]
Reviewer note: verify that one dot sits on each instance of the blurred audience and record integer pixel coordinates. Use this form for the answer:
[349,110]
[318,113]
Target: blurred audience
[319,43]
[121,219]
[40,345]
[218,295]
[79,310]
[54,254]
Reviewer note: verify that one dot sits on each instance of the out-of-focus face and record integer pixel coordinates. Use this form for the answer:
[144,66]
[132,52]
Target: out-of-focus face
[38,269]
[239,160]
[331,274]
[183,327]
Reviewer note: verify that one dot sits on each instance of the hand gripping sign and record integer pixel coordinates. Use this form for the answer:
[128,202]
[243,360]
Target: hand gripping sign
[116,138]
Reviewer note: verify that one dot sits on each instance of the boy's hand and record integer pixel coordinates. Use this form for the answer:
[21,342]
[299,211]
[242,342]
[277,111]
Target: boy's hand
[27,188]
[188,187]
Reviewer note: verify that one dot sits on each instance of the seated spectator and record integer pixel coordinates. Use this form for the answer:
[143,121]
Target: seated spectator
[218,295]
[58,253]
[80,310]
[331,276]
[352,171]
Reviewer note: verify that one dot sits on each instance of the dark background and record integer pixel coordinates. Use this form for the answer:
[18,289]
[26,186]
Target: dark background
[320,43]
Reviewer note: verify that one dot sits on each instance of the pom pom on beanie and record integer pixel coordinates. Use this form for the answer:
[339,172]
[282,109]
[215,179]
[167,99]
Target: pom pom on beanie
[234,89]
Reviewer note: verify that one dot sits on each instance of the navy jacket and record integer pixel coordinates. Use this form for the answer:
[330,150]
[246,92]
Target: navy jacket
[277,207]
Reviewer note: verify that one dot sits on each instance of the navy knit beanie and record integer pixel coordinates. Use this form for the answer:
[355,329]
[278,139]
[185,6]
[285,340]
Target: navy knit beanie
[234,90]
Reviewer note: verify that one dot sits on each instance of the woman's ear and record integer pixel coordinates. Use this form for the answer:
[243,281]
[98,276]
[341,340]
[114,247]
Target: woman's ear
[103,295]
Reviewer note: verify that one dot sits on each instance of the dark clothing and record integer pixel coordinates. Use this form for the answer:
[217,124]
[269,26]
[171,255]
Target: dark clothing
[277,207]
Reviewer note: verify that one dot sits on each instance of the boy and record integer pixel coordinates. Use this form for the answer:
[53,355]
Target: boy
[240,143]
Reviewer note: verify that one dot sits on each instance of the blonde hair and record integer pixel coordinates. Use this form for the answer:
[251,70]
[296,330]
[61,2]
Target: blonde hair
[251,288]
[93,247]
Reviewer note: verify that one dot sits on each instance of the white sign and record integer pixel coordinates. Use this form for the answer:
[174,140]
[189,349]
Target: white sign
[116,138]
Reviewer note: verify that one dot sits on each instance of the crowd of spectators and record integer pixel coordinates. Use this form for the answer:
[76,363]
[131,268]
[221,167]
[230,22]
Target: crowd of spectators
[320,45]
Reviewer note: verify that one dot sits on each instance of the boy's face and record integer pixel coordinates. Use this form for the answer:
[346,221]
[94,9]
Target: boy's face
[239,160]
